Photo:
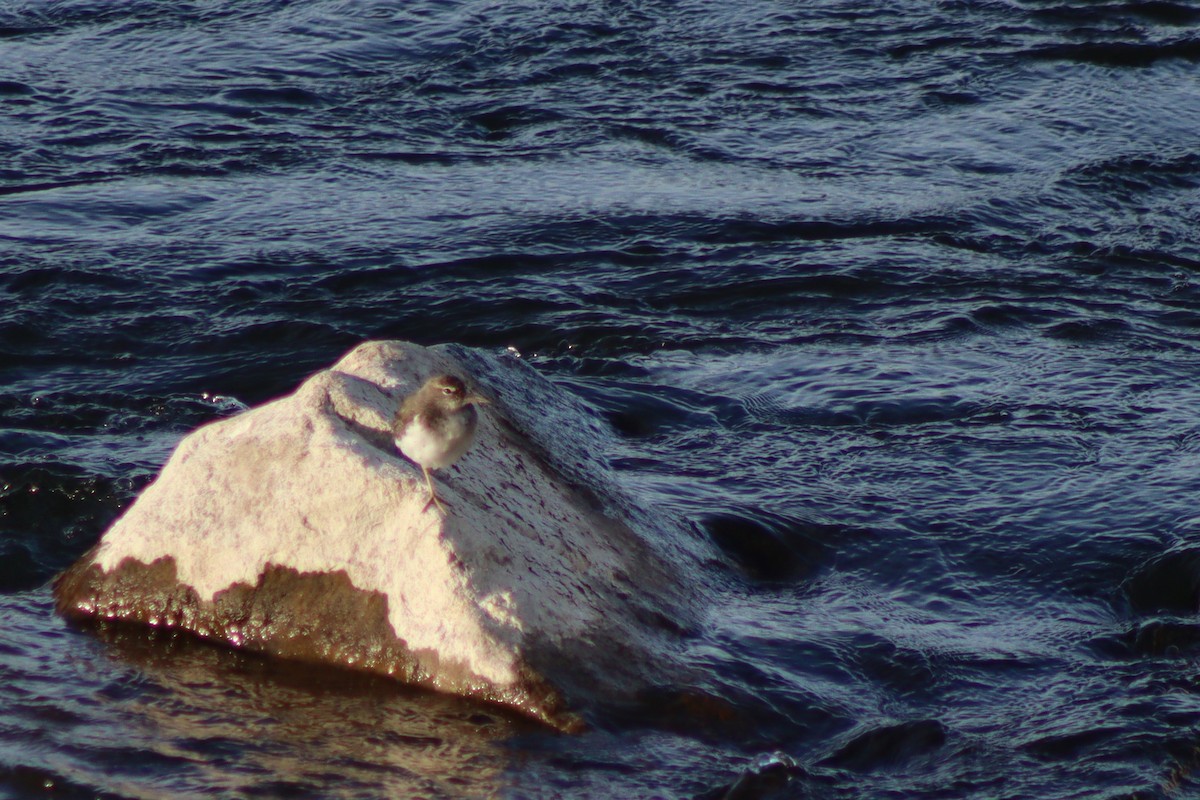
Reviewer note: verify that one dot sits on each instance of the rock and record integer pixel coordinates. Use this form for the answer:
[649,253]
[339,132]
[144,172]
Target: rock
[295,529]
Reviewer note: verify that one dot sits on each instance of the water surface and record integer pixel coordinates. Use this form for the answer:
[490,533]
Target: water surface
[896,301]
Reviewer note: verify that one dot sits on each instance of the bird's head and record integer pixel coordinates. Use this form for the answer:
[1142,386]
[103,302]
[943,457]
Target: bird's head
[449,391]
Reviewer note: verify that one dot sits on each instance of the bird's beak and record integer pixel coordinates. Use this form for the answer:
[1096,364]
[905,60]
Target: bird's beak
[478,399]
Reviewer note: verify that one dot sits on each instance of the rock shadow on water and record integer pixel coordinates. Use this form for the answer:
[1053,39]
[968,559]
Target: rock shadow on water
[1163,597]
[769,548]
[883,748]
[274,96]
[887,745]
[1167,583]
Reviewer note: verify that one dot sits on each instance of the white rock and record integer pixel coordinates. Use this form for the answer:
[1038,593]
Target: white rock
[295,528]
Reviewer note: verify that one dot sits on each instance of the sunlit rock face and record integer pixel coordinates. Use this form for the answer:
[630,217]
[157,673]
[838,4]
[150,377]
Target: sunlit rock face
[296,529]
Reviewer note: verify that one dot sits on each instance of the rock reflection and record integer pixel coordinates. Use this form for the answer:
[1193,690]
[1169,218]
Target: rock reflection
[258,726]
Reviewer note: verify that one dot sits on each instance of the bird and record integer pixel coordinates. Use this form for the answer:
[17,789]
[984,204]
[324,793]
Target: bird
[435,425]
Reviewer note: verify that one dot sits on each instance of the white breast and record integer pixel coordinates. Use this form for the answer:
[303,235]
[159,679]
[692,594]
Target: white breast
[435,452]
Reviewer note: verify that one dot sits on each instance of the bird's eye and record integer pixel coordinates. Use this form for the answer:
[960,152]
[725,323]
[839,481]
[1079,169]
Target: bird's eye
[448,390]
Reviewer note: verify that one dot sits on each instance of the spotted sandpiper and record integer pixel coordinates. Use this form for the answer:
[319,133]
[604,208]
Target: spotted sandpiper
[435,425]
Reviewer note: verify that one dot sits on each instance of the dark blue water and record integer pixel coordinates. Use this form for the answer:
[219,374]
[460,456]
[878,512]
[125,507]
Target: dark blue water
[897,301]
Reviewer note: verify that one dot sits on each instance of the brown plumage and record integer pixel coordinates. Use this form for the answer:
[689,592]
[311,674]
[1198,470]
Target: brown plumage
[435,425]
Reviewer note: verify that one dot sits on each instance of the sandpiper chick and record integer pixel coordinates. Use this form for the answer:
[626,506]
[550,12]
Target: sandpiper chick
[435,425]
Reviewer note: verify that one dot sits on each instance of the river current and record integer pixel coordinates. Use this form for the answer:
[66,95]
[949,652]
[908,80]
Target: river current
[897,302]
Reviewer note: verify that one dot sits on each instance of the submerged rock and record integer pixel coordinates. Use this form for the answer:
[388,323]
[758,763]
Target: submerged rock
[296,529]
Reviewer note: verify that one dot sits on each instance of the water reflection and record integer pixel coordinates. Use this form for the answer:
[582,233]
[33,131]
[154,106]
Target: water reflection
[167,713]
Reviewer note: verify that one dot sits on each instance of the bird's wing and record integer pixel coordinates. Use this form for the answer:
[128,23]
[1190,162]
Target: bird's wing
[406,413]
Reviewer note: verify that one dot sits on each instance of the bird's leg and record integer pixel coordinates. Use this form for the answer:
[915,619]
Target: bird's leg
[433,498]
